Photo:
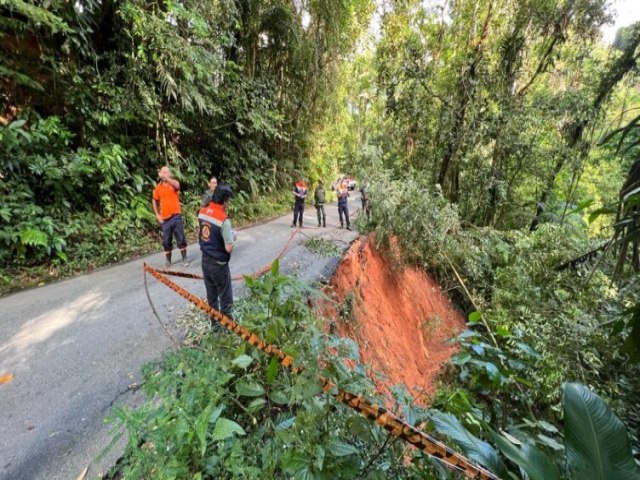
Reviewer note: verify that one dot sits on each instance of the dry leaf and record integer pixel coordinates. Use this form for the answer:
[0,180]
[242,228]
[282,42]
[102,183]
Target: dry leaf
[6,378]
[83,474]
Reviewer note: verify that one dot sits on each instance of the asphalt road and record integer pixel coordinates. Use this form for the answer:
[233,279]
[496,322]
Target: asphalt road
[75,348]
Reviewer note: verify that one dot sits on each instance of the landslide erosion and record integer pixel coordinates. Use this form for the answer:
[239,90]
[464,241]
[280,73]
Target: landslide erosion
[399,317]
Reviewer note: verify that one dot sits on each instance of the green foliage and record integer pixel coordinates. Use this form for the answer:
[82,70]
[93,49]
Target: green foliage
[224,410]
[476,449]
[322,246]
[597,443]
[98,96]
[531,326]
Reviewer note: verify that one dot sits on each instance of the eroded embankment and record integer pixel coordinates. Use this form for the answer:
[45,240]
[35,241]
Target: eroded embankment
[398,316]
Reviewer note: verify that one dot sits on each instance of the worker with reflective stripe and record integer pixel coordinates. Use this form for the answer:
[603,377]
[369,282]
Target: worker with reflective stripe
[169,214]
[217,239]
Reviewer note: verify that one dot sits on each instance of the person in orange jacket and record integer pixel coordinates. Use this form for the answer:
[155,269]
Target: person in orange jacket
[217,240]
[169,214]
[300,194]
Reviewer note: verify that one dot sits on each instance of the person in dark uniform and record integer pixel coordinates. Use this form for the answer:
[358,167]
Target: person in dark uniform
[318,197]
[217,238]
[300,194]
[364,197]
[169,214]
[343,207]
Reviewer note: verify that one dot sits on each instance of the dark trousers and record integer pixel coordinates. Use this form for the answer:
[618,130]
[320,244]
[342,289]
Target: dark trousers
[298,210]
[367,208]
[170,228]
[322,216]
[343,209]
[217,281]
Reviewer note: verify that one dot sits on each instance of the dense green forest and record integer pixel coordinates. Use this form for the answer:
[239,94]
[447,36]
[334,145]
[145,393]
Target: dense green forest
[97,95]
[500,140]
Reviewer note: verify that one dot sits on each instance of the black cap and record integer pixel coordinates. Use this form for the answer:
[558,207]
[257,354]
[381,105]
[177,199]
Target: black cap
[222,193]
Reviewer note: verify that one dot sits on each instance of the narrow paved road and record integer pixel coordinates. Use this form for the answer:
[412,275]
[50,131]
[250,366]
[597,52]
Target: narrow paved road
[75,348]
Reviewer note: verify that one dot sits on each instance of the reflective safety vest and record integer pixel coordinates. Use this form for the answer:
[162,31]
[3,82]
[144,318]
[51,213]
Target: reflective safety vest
[210,219]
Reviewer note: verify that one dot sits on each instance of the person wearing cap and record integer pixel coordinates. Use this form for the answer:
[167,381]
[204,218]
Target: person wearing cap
[300,193]
[169,214]
[217,239]
[208,195]
[318,197]
[343,207]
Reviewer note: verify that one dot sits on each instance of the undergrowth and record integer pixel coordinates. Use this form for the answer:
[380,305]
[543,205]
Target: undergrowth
[222,409]
[323,247]
[531,327]
[91,241]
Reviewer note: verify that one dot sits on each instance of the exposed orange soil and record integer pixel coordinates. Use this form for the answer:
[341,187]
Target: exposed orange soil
[399,317]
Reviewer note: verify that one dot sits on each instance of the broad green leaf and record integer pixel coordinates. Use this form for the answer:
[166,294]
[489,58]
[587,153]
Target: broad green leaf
[202,424]
[285,424]
[272,370]
[472,446]
[225,428]
[601,211]
[215,414]
[319,457]
[275,267]
[503,330]
[293,460]
[249,389]
[475,317]
[461,358]
[341,449]
[17,124]
[537,464]
[550,442]
[256,404]
[549,427]
[279,397]
[596,441]
[243,361]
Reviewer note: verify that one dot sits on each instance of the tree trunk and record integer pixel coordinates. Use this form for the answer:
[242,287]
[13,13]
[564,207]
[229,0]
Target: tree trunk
[466,90]
[616,71]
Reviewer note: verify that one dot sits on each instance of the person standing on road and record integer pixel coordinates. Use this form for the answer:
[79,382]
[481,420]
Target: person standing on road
[318,197]
[208,195]
[169,214]
[366,206]
[343,207]
[217,239]
[300,193]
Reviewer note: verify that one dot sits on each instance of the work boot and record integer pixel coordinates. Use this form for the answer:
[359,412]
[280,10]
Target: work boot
[185,262]
[300,224]
[319,224]
[293,225]
[167,263]
[324,222]
[341,225]
[349,227]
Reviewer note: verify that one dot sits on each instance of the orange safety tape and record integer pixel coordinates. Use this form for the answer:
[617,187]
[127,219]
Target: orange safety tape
[380,415]
[257,273]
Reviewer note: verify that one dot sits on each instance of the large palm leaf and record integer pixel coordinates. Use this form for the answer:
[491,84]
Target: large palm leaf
[596,441]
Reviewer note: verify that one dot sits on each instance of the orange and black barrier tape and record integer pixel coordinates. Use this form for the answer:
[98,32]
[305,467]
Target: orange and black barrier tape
[380,415]
[256,274]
